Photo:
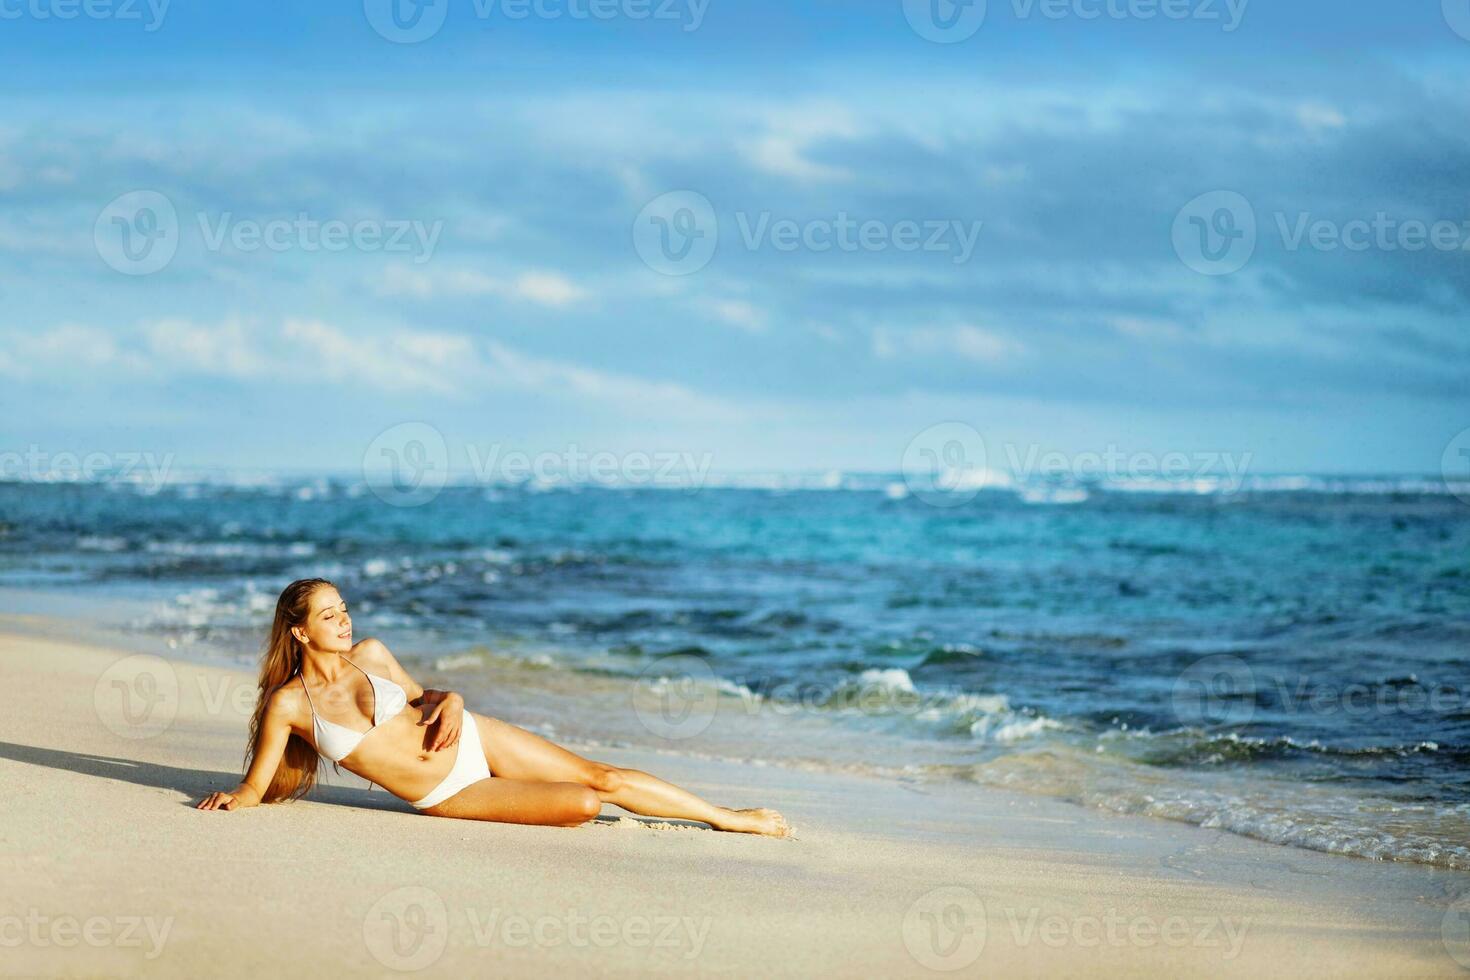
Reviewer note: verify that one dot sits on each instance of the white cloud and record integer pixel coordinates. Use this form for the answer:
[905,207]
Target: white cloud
[543,288]
[313,352]
[401,280]
[559,378]
[738,313]
[1146,328]
[547,288]
[784,149]
[226,349]
[64,347]
[405,361]
[964,340]
[1316,116]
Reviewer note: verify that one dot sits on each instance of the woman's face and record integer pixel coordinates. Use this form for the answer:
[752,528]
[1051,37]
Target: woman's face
[327,626]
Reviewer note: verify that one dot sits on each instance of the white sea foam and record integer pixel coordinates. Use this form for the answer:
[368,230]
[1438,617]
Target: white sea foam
[892,678]
[461,661]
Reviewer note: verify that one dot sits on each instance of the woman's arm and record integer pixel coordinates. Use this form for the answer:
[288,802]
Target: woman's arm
[270,745]
[444,707]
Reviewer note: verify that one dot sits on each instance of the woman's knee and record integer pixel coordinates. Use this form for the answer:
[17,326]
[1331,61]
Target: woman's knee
[584,804]
[604,778]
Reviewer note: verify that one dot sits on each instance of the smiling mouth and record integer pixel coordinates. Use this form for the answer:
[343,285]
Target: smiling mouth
[343,636]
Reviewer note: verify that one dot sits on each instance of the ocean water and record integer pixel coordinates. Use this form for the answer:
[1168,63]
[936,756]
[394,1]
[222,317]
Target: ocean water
[1290,661]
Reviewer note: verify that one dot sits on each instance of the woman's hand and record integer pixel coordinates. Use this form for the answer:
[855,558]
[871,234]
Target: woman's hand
[237,799]
[448,712]
[218,801]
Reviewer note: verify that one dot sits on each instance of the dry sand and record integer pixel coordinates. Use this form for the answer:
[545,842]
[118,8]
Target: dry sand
[108,870]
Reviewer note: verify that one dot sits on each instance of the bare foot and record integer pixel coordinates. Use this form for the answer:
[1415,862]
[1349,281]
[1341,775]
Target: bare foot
[756,820]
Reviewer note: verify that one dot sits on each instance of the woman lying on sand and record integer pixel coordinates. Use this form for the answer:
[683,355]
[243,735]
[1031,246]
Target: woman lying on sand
[318,690]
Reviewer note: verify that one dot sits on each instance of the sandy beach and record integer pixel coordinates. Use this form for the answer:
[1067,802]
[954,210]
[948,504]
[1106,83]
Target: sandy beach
[109,871]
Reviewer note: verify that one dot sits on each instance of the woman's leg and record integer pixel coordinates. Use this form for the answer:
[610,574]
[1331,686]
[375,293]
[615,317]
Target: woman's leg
[519,754]
[560,804]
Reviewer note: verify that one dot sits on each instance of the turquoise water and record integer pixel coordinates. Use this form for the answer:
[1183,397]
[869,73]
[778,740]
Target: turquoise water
[1289,663]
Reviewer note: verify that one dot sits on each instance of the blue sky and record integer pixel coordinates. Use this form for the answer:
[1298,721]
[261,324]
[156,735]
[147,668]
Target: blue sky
[1047,162]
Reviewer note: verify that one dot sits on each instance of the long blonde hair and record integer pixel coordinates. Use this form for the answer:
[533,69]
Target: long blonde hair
[281,662]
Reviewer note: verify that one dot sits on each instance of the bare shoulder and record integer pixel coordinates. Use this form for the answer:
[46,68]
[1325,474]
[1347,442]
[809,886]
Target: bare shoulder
[286,701]
[370,651]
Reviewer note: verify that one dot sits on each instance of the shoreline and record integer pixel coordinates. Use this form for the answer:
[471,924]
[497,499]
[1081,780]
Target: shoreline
[548,695]
[100,826]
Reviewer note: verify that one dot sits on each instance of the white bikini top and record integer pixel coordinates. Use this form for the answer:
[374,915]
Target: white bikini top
[336,742]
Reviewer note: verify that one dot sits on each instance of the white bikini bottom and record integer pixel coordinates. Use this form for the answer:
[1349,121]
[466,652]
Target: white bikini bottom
[469,767]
